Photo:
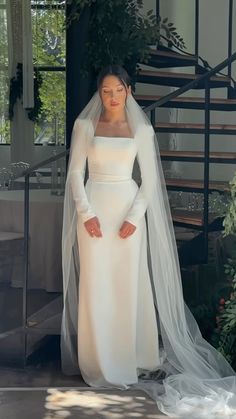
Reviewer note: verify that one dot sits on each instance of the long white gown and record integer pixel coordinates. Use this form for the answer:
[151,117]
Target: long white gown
[117,327]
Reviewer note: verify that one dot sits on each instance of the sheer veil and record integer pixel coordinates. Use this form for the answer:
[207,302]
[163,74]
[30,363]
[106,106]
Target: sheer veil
[199,382]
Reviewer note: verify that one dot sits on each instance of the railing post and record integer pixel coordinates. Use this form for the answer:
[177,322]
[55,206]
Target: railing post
[196,27]
[206,168]
[153,117]
[26,263]
[157,7]
[230,35]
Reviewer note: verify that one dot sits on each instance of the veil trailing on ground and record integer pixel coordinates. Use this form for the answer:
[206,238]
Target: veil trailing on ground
[199,382]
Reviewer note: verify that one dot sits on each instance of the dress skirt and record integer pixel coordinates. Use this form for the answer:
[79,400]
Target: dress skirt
[117,327]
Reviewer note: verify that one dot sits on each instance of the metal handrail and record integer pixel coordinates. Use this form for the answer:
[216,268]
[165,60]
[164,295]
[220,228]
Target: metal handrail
[197,9]
[149,108]
[191,84]
[30,170]
[230,32]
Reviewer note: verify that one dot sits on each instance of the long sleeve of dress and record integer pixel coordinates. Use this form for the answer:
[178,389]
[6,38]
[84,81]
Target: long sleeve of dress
[146,161]
[77,172]
[138,207]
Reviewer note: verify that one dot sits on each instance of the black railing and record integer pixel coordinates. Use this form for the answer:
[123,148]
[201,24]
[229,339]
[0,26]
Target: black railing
[151,108]
[230,35]
[192,84]
[196,28]
[206,169]
[157,7]
[205,77]
[230,30]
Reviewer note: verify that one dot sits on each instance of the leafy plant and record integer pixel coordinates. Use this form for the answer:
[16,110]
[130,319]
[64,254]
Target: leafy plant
[49,50]
[229,222]
[171,34]
[16,92]
[119,33]
[226,318]
[4,123]
[205,317]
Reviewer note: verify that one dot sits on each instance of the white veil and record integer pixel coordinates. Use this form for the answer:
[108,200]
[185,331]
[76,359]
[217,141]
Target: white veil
[199,382]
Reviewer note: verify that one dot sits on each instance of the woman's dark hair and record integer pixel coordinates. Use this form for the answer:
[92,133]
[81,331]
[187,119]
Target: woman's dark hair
[114,70]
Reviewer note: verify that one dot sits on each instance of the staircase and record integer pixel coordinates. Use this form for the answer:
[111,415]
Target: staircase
[158,73]
[193,241]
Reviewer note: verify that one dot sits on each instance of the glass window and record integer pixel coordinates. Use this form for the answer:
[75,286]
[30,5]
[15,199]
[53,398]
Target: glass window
[51,126]
[48,18]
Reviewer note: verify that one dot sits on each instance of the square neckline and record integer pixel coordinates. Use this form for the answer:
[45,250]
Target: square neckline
[111,136]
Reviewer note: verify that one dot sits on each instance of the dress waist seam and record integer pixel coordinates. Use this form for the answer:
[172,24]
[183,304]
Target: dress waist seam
[109,178]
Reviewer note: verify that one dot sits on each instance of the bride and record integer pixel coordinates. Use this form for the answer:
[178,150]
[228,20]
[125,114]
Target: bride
[125,323]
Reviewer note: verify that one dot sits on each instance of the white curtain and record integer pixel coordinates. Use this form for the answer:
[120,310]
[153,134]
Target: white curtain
[20,51]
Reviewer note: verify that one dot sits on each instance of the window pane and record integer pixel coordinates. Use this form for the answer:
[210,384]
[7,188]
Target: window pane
[48,34]
[51,126]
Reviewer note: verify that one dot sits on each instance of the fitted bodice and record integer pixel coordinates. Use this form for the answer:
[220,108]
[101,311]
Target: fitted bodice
[111,158]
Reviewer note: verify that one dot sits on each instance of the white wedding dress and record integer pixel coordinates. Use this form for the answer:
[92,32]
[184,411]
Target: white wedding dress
[117,326]
[109,330]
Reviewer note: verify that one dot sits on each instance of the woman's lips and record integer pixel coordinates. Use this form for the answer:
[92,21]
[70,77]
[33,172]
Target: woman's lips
[114,104]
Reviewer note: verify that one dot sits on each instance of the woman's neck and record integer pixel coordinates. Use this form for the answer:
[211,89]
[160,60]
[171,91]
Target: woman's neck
[113,117]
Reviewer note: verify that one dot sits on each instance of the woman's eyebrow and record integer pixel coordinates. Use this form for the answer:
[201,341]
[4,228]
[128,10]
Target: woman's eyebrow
[119,84]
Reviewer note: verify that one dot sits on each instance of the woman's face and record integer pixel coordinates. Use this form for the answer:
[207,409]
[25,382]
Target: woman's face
[113,93]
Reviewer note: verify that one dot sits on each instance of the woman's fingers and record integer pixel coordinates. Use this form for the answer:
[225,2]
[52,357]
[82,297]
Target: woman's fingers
[93,227]
[127,229]
[97,232]
[94,230]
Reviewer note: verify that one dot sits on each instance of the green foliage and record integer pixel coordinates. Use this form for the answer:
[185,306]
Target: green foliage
[16,92]
[120,33]
[226,330]
[171,33]
[52,112]
[4,123]
[229,222]
[49,50]
[49,87]
[48,36]
[205,317]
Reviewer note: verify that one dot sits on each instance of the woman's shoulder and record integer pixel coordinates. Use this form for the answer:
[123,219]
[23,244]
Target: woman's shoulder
[84,125]
[83,121]
[143,128]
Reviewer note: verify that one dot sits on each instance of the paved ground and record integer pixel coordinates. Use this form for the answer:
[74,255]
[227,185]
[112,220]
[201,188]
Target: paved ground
[77,403]
[42,391]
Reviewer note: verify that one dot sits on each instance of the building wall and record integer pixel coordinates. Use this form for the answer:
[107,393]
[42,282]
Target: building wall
[213,47]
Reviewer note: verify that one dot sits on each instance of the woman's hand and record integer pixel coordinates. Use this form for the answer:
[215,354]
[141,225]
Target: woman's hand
[127,229]
[93,227]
